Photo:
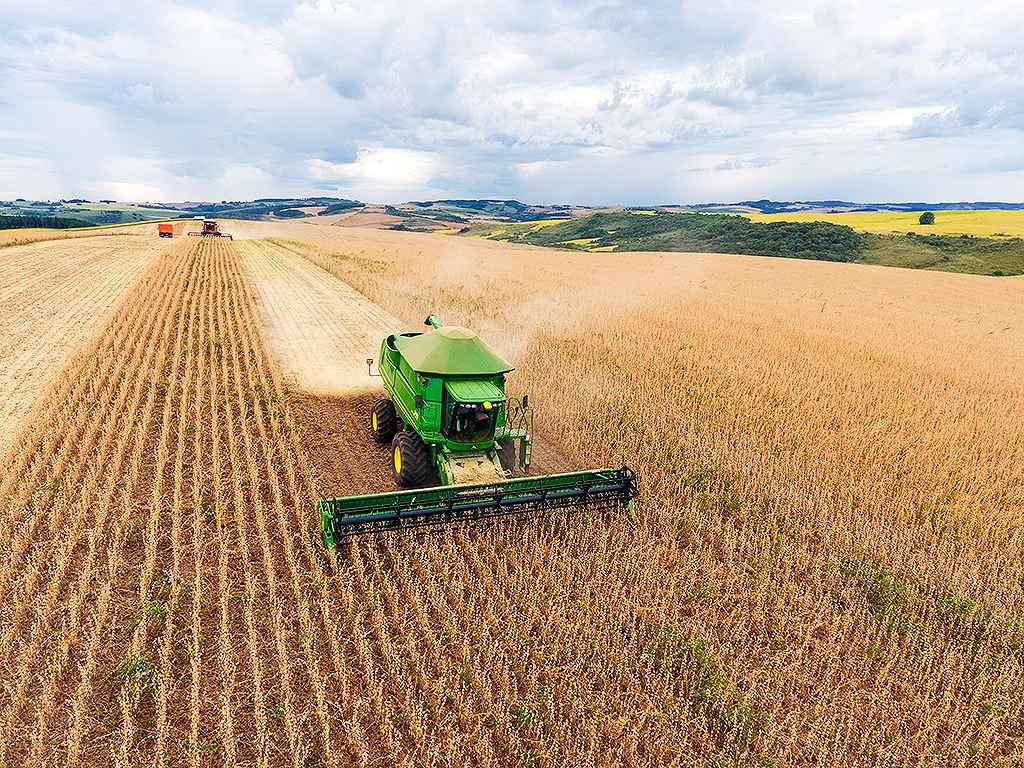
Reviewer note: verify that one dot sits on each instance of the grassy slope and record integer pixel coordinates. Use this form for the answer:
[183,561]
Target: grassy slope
[973,255]
[715,233]
[625,231]
[95,214]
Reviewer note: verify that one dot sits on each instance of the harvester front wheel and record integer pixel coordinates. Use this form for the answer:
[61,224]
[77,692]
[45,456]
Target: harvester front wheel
[411,458]
[382,421]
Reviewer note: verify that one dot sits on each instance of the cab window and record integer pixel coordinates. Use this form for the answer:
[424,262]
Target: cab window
[469,422]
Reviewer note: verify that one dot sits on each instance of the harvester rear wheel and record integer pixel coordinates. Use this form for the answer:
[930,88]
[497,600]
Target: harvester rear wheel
[411,460]
[383,421]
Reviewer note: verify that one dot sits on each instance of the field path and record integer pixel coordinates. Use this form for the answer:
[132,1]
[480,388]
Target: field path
[319,330]
[53,297]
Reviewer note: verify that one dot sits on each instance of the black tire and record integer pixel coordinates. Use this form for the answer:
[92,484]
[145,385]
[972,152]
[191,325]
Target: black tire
[410,460]
[383,421]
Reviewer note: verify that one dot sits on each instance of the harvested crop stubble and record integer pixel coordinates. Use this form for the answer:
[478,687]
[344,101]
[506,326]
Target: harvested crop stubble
[833,487]
[13,237]
[319,330]
[321,333]
[53,297]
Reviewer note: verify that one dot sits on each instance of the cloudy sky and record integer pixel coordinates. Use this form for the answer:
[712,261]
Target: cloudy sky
[586,102]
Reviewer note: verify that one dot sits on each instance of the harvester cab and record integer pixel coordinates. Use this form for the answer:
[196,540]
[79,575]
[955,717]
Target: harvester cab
[447,416]
[459,440]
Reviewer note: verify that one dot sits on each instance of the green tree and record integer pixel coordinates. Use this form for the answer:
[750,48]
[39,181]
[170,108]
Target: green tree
[927,218]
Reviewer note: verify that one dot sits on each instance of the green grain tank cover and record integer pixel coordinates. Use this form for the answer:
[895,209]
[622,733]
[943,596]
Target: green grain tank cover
[474,391]
[450,351]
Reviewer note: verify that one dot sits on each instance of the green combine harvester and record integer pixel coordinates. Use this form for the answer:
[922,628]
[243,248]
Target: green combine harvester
[460,446]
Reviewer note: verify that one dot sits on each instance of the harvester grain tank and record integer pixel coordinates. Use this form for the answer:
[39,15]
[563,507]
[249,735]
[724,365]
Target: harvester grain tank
[210,229]
[165,229]
[460,445]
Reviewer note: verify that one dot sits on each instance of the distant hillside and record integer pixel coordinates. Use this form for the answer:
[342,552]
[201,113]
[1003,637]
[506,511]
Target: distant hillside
[704,232]
[106,212]
[725,233]
[273,207]
[793,206]
[48,222]
[84,213]
[459,211]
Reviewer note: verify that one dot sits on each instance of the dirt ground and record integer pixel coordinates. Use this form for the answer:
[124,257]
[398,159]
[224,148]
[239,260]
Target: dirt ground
[345,459]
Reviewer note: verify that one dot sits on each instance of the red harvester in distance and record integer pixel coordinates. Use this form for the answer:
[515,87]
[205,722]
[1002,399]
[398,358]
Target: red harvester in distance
[210,229]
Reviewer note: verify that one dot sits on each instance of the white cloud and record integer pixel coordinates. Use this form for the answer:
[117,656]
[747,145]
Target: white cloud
[386,167]
[942,122]
[589,101]
[126,190]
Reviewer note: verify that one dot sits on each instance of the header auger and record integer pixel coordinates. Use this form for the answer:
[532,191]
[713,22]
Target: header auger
[460,445]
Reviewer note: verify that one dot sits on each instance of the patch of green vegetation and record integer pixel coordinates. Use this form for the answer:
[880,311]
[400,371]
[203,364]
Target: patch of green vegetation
[521,715]
[46,222]
[703,232]
[340,207]
[710,690]
[946,253]
[953,608]
[728,762]
[700,476]
[137,670]
[157,609]
[421,213]
[888,594]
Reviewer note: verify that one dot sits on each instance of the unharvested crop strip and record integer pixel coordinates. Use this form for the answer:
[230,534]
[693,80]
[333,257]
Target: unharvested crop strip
[42,465]
[172,604]
[177,392]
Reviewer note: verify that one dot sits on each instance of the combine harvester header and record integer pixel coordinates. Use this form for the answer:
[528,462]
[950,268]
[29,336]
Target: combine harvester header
[449,420]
